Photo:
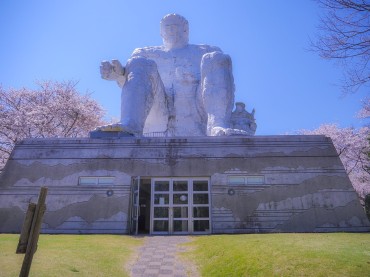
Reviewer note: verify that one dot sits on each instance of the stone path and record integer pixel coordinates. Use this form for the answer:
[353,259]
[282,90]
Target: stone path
[158,257]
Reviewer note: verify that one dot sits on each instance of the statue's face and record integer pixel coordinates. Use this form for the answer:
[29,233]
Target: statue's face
[239,107]
[174,32]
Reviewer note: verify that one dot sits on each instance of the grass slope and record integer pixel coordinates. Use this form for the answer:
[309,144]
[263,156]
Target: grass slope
[70,255]
[338,254]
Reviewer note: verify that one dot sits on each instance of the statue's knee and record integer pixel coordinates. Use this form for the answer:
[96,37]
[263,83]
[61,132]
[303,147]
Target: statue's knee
[215,60]
[141,65]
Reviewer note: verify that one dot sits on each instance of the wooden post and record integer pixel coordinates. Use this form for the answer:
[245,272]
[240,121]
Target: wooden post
[34,233]
[25,234]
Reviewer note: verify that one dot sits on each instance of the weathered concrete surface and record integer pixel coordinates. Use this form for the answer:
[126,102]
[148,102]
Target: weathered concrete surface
[305,187]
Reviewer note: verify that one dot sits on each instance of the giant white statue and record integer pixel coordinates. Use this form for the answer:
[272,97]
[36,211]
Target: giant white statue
[176,89]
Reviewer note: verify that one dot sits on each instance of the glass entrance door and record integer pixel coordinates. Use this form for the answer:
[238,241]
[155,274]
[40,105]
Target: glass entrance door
[160,206]
[180,206]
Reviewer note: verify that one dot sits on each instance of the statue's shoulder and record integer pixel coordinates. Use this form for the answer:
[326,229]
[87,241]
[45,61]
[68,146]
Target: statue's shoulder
[148,52]
[205,48]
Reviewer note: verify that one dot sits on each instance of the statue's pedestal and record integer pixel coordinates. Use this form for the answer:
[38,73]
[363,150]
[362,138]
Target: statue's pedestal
[217,184]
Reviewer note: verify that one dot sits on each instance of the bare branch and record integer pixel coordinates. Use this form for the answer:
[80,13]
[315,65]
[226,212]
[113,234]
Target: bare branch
[344,34]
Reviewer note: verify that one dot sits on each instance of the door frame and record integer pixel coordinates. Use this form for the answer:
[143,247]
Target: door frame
[190,205]
[134,205]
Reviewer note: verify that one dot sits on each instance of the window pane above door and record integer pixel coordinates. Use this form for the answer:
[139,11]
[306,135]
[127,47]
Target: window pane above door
[200,198]
[180,185]
[162,186]
[200,185]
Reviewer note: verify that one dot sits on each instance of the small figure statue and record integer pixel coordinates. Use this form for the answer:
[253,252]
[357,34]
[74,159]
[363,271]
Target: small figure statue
[243,120]
[178,88]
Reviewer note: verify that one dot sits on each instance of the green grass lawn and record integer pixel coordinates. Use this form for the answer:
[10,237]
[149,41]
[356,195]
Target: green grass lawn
[338,254]
[70,255]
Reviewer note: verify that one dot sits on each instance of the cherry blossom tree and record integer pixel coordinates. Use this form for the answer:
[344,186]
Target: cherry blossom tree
[53,109]
[353,147]
[364,113]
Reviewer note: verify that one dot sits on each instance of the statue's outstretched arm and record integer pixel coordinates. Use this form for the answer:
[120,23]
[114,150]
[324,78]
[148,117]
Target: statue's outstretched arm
[113,71]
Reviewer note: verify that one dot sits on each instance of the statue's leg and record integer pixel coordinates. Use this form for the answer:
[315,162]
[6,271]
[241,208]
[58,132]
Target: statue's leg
[140,93]
[217,90]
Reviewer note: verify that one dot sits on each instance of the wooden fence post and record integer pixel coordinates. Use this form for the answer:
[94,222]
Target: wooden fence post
[34,232]
[25,234]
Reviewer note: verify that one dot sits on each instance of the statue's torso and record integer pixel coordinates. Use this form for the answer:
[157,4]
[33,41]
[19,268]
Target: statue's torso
[180,73]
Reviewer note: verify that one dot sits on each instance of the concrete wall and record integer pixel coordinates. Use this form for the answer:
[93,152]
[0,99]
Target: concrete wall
[305,187]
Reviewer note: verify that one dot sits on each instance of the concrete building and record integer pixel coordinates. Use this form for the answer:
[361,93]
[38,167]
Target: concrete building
[183,185]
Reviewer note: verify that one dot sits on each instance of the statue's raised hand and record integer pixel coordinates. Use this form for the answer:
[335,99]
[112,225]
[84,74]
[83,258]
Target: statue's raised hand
[113,71]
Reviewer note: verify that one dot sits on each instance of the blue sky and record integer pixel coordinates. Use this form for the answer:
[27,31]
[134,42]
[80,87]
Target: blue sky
[290,88]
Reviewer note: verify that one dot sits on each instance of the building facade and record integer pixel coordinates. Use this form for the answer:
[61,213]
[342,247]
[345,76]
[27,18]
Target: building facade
[183,185]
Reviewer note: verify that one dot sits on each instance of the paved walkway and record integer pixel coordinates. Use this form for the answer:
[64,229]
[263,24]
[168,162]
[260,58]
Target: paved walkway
[158,257]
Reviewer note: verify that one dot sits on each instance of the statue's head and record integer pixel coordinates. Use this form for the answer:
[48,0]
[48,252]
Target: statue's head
[174,31]
[239,106]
